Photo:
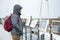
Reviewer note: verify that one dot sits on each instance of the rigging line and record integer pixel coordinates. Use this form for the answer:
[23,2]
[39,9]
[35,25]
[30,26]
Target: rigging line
[40,19]
[48,8]
[41,8]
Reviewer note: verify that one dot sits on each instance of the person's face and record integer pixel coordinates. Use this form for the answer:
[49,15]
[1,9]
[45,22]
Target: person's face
[21,10]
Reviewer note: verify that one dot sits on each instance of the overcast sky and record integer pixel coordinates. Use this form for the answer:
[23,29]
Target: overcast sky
[31,8]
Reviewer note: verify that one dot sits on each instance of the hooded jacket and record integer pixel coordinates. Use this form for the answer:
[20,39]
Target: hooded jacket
[16,21]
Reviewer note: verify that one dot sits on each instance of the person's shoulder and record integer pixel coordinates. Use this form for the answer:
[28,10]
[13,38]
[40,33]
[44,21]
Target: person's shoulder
[14,15]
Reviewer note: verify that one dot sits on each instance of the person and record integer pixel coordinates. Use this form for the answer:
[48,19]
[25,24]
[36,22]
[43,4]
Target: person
[17,30]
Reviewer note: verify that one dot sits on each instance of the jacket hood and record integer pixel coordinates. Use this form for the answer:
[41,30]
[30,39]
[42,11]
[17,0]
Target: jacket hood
[17,9]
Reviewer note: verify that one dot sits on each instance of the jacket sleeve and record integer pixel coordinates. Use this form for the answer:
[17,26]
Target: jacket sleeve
[15,23]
